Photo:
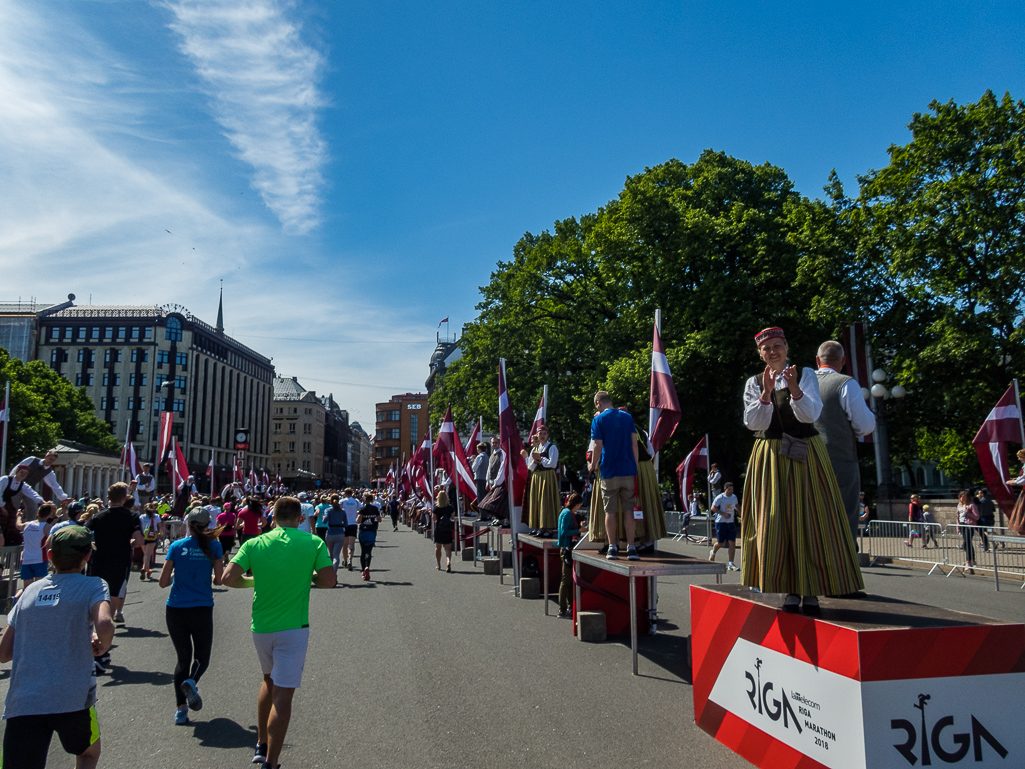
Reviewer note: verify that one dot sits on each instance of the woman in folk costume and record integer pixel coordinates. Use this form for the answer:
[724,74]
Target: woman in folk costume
[543,484]
[795,536]
[596,517]
[648,496]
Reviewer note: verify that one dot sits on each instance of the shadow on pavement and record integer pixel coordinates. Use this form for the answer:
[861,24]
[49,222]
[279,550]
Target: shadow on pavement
[120,676]
[671,653]
[140,632]
[224,733]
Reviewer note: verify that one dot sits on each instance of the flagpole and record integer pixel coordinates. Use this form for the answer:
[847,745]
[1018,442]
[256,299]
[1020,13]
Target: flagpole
[651,416]
[708,480]
[7,425]
[510,487]
[124,451]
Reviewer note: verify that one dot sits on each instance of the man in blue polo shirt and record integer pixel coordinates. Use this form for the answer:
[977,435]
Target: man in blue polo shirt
[615,451]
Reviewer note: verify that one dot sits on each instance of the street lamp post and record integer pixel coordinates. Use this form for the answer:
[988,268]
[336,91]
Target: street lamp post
[887,489]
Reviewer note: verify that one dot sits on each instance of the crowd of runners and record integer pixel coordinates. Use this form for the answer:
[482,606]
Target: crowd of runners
[279,544]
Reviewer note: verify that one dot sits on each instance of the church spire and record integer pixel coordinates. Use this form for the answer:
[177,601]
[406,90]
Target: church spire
[220,311]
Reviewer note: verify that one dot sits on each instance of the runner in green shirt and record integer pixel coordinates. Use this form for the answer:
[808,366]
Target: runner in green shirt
[286,563]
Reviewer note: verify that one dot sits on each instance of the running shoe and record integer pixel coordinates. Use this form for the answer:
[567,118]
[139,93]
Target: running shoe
[631,554]
[181,716]
[98,669]
[260,757]
[366,575]
[105,659]
[612,554]
[350,565]
[191,693]
[711,554]
[119,618]
[731,566]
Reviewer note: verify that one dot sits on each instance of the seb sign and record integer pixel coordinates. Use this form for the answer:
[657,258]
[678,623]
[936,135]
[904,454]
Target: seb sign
[413,406]
[789,690]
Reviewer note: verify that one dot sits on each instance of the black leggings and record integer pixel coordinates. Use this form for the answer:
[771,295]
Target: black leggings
[192,633]
[366,552]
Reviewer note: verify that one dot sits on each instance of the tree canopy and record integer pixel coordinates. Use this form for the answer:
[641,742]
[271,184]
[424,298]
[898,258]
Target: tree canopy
[46,408]
[929,254]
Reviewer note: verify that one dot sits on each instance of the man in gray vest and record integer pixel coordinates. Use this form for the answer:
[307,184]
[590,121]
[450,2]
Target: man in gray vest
[845,416]
[40,470]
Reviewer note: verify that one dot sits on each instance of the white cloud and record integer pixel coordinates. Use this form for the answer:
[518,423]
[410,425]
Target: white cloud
[262,83]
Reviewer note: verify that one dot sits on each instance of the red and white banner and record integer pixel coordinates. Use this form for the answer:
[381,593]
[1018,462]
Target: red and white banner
[130,460]
[857,363]
[663,404]
[177,467]
[238,474]
[447,448]
[474,439]
[698,457]
[254,481]
[539,417]
[164,436]
[1002,426]
[510,439]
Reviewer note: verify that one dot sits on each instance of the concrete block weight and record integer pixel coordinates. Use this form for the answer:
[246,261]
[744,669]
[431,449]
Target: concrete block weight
[530,587]
[490,566]
[467,554]
[591,626]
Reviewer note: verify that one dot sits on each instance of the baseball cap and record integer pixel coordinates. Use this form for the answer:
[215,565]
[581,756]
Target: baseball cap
[76,508]
[302,495]
[71,540]
[199,515]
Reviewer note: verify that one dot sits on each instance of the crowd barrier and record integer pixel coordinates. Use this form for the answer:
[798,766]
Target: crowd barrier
[943,548]
[10,572]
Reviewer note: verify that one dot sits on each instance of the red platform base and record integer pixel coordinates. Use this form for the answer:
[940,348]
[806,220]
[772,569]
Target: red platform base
[870,684]
[610,592]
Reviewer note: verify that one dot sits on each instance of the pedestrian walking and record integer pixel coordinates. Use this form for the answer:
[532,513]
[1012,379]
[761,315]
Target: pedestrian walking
[285,564]
[443,529]
[52,635]
[367,520]
[337,522]
[967,519]
[393,511]
[190,606]
[117,532]
[152,532]
[34,534]
[351,507]
[916,515]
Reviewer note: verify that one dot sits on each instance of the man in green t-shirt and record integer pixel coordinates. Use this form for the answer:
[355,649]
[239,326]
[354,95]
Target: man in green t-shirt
[286,563]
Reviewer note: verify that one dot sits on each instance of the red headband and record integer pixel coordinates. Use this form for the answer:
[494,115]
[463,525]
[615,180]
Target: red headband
[773,332]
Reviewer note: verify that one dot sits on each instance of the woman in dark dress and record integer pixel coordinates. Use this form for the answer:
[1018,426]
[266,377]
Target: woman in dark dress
[443,527]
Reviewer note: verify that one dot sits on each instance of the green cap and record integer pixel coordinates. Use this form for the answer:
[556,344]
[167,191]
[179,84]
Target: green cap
[71,540]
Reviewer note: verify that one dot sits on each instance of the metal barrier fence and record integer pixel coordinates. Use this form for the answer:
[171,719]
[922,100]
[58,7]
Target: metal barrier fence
[699,528]
[10,572]
[946,548]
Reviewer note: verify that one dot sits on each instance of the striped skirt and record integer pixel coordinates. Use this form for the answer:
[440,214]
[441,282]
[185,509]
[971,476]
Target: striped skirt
[543,500]
[654,524]
[794,532]
[596,519]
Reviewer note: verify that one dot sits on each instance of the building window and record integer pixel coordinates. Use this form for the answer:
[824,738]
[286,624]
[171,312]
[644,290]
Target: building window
[161,358]
[308,411]
[291,446]
[55,333]
[137,378]
[174,330]
[307,429]
[179,382]
[147,334]
[121,333]
[393,434]
[179,405]
[80,334]
[82,355]
[380,452]
[112,355]
[391,451]
[414,421]
[108,332]
[134,333]
[68,332]
[131,403]
[78,380]
[181,359]
[380,416]
[140,355]
[277,427]
[291,428]
[106,403]
[277,446]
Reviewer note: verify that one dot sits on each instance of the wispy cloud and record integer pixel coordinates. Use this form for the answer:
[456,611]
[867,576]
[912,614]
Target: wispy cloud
[262,83]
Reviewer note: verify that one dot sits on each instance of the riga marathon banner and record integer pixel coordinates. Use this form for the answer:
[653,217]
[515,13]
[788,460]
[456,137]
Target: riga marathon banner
[872,683]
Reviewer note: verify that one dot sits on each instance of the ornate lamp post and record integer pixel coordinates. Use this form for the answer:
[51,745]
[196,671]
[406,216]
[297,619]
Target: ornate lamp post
[879,395]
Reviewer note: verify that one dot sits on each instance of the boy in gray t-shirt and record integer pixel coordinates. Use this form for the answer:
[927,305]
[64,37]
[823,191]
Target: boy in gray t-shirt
[52,633]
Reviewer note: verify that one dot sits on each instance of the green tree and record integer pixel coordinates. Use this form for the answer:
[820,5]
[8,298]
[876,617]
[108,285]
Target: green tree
[45,408]
[941,227]
[710,243]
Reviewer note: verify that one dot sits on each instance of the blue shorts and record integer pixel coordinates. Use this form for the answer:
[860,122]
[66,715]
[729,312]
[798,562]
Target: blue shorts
[725,532]
[34,570]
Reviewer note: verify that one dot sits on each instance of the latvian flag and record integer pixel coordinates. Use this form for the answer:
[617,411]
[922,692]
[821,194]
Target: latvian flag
[698,457]
[1002,426]
[664,406]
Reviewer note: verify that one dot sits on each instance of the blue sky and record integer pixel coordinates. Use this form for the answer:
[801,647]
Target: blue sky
[353,171]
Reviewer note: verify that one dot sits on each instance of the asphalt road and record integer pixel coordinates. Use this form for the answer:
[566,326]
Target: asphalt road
[420,668]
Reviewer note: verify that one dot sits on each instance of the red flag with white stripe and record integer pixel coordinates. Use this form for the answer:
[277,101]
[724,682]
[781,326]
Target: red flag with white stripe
[164,436]
[448,448]
[539,417]
[663,405]
[1002,426]
[471,444]
[510,439]
[698,457]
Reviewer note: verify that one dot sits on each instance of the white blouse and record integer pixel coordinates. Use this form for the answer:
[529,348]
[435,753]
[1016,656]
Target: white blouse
[758,415]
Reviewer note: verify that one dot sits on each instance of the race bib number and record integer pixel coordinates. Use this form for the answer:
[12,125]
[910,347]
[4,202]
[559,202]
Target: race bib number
[48,598]
[638,514]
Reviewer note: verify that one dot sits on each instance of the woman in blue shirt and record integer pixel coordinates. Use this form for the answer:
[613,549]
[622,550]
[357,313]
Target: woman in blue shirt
[190,606]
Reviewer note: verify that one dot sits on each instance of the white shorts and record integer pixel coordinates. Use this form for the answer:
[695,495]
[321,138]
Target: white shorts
[283,655]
